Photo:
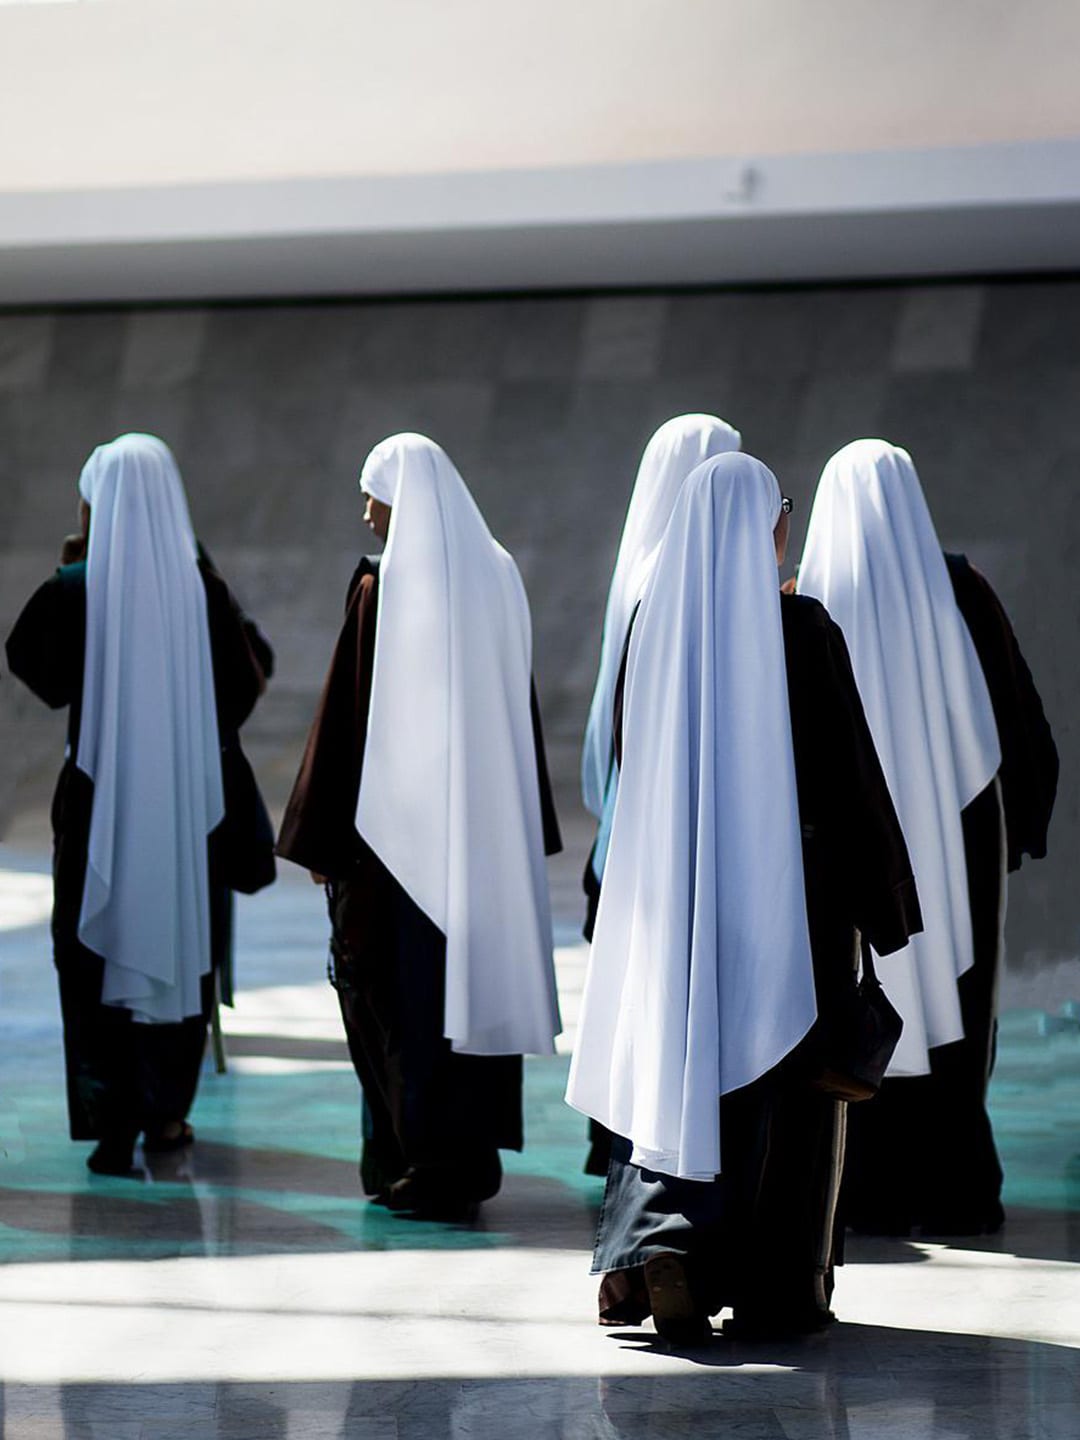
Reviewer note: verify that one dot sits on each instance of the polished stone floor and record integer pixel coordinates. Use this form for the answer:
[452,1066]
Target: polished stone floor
[246,1290]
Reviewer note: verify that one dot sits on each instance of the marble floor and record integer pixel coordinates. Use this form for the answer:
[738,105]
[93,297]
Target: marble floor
[246,1290]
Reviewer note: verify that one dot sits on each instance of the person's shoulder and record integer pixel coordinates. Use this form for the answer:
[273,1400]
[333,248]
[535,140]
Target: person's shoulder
[963,572]
[218,594]
[67,580]
[207,568]
[73,574]
[56,608]
[960,568]
[367,569]
[812,634]
[364,582]
[803,612]
[970,585]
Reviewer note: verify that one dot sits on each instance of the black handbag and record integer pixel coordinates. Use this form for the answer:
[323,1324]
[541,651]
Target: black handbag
[857,1038]
[242,846]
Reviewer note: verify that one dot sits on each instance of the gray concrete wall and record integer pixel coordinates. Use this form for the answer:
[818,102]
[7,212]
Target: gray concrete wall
[545,404]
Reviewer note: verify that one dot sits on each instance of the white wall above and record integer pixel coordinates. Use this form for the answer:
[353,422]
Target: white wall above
[108,93]
[190,148]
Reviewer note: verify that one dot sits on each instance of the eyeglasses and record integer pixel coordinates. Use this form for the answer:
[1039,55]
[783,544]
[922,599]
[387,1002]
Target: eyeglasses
[786,505]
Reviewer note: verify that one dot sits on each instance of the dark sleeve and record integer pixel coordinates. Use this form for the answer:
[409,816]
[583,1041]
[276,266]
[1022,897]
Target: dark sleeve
[261,649]
[1029,757]
[552,836]
[45,649]
[591,886]
[238,680]
[620,690]
[589,883]
[860,818]
[318,830]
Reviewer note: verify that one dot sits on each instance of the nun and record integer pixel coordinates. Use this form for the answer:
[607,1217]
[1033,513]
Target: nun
[752,836]
[675,449]
[138,636]
[972,766]
[423,804]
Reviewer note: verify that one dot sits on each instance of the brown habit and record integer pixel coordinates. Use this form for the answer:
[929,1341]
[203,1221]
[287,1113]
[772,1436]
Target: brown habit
[425,1106]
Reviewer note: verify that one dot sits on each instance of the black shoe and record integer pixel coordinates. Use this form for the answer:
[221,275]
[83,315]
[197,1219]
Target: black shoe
[884,1227]
[380,1165]
[112,1157]
[789,1325]
[676,1314]
[429,1194]
[957,1224]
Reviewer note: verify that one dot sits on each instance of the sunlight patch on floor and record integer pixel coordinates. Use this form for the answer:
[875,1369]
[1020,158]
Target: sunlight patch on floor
[25,898]
[507,1312]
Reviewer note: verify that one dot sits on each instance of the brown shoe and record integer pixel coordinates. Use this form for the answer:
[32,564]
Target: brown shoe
[678,1317]
[176,1136]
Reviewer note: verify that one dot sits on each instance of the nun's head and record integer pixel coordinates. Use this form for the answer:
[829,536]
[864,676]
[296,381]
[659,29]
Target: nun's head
[382,473]
[377,515]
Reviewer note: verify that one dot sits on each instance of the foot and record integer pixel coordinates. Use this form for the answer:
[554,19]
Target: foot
[678,1317]
[885,1227]
[111,1157]
[958,1223]
[172,1136]
[429,1194]
[783,1325]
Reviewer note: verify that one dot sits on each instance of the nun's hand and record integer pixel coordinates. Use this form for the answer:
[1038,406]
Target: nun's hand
[73,549]
[317,879]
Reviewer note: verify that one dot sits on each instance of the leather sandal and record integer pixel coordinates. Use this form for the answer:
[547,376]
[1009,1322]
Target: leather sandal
[677,1316]
[156,1142]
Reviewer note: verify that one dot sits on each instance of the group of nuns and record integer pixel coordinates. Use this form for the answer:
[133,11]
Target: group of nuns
[782,782]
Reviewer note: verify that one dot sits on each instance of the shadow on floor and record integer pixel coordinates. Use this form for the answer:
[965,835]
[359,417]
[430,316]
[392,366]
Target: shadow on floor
[1029,1233]
[856,1383]
[216,1200]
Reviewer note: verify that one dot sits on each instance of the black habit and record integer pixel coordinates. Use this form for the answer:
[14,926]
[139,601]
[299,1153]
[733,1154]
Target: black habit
[123,1077]
[923,1154]
[760,1238]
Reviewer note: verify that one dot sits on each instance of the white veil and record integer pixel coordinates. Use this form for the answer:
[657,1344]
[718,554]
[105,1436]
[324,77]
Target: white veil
[700,977]
[449,793]
[872,557]
[674,450]
[148,734]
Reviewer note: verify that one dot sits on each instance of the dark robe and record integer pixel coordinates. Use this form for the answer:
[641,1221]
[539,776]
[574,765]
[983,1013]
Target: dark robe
[760,1238]
[122,1077]
[923,1154]
[425,1106]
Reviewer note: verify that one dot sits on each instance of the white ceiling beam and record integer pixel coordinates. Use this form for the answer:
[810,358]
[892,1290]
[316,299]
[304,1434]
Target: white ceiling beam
[732,220]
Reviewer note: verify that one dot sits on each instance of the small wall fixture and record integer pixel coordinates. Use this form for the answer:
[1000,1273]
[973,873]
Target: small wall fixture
[747,184]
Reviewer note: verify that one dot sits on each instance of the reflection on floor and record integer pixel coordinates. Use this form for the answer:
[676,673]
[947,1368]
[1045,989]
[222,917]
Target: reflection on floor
[279,1304]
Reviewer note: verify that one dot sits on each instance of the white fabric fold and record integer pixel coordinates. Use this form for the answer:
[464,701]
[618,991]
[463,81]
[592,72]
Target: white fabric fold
[873,558]
[148,735]
[449,794]
[675,449]
[700,977]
